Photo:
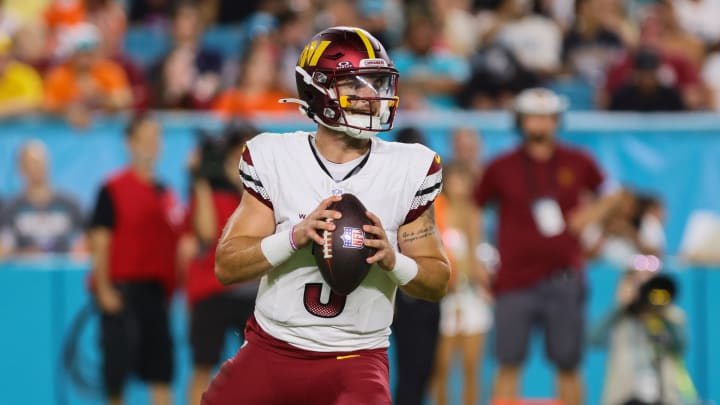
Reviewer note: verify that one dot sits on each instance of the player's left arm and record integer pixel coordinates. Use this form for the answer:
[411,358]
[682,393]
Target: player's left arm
[421,268]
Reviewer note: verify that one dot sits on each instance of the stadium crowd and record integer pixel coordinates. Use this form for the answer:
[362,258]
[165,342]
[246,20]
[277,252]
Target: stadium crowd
[77,57]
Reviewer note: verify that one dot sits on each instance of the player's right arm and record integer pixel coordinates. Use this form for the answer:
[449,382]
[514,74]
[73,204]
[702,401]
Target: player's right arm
[249,246]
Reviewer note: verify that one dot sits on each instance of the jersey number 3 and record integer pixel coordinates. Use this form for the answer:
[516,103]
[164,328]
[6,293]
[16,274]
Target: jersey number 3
[311,298]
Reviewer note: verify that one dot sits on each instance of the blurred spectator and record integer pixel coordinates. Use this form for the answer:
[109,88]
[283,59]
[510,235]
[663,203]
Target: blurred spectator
[133,237]
[21,88]
[459,25]
[496,77]
[699,18]
[110,19]
[293,33]
[673,39]
[646,336]
[256,90]
[383,19]
[30,46]
[337,13]
[431,76]
[40,220]
[643,91]
[596,38]
[10,21]
[63,14]
[215,309]
[465,315]
[634,228]
[86,82]
[711,76]
[151,12]
[674,70]
[467,150]
[541,261]
[231,11]
[535,40]
[189,76]
[415,328]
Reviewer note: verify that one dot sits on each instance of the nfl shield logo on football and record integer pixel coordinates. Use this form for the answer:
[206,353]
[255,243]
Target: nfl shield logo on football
[353,238]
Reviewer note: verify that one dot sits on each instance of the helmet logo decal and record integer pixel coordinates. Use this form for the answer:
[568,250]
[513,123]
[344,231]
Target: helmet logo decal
[344,65]
[312,52]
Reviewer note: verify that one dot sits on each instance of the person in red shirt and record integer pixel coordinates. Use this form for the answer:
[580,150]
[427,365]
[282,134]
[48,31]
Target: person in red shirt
[215,309]
[133,235]
[541,191]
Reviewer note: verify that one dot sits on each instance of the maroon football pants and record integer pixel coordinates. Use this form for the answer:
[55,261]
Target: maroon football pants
[270,372]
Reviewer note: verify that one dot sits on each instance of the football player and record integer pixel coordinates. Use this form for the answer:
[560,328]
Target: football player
[305,343]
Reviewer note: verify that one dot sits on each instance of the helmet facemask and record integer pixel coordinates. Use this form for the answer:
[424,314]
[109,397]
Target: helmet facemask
[367,101]
[358,102]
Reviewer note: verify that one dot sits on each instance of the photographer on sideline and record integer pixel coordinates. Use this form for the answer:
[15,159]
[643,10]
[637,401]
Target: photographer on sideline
[645,333]
[215,309]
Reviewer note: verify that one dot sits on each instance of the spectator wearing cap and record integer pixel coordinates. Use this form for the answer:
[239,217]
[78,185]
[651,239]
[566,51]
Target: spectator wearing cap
[557,192]
[21,88]
[86,82]
[676,69]
[644,92]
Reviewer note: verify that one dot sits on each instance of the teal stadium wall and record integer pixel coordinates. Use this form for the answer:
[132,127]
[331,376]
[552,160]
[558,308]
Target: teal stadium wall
[675,156]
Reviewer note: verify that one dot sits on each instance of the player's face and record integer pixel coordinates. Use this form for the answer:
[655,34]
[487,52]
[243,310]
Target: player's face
[359,87]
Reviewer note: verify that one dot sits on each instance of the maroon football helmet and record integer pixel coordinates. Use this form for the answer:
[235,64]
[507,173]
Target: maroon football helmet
[347,82]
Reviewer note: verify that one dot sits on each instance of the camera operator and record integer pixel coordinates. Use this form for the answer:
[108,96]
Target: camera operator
[645,333]
[215,309]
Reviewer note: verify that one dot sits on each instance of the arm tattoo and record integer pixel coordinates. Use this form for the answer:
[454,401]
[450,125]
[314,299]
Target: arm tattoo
[428,227]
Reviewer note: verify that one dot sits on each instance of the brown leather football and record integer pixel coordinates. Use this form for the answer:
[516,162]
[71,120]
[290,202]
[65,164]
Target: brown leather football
[342,256]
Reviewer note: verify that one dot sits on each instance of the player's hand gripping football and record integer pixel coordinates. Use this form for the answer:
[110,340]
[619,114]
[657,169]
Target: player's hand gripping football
[309,228]
[385,254]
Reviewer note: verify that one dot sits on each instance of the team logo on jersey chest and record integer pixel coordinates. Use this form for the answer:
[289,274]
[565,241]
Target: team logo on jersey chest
[353,238]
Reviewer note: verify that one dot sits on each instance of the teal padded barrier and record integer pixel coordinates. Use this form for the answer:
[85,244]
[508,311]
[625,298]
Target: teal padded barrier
[39,299]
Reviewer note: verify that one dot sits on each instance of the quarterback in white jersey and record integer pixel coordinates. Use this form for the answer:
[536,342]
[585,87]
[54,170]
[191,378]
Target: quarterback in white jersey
[306,344]
[397,182]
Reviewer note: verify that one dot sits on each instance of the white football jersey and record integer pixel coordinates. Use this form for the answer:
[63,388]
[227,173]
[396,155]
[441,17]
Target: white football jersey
[397,182]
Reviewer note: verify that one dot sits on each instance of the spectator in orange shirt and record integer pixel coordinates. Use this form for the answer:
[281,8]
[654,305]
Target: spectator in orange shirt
[257,88]
[86,82]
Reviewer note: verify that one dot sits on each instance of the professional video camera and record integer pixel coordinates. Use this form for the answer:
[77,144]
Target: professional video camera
[213,148]
[654,294]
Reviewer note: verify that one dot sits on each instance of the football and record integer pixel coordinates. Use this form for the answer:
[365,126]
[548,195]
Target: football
[342,256]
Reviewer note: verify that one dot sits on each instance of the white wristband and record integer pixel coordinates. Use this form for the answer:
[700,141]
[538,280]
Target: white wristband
[405,269]
[277,247]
